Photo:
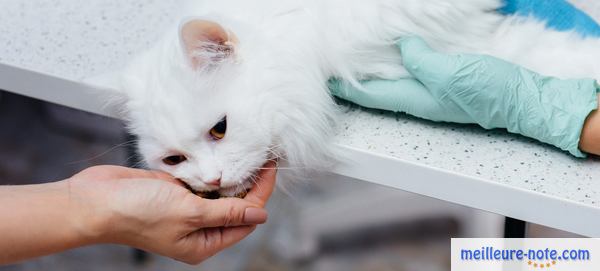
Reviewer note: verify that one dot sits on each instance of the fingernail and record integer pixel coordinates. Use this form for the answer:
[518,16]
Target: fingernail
[255,216]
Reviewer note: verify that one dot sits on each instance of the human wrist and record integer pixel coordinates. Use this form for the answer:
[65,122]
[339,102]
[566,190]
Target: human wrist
[590,135]
[102,209]
[586,92]
[46,221]
[552,110]
[88,220]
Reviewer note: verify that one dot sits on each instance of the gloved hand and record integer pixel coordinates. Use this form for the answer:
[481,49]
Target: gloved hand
[484,90]
[558,14]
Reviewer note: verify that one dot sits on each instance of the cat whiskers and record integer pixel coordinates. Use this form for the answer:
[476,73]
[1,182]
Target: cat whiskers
[254,180]
[139,164]
[278,168]
[273,152]
[124,144]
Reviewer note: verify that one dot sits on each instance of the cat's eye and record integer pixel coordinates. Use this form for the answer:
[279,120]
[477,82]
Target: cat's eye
[174,160]
[218,131]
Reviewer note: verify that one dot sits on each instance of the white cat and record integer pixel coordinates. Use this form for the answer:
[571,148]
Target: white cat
[239,82]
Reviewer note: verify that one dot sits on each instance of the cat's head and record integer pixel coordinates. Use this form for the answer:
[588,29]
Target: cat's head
[211,107]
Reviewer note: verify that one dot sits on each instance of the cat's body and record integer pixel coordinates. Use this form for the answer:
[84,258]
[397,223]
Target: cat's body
[268,64]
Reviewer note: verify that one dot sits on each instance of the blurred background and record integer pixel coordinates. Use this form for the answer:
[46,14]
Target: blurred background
[325,223]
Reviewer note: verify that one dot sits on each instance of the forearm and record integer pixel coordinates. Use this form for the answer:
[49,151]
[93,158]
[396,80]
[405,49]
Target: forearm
[590,136]
[37,220]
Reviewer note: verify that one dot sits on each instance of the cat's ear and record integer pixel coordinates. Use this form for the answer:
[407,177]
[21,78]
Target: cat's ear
[206,43]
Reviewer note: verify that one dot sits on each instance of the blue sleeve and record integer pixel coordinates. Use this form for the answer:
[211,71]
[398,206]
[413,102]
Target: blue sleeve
[558,14]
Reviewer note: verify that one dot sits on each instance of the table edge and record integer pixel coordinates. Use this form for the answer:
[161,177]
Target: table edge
[358,164]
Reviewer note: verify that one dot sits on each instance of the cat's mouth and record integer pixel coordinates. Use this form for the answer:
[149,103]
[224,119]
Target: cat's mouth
[236,191]
[217,194]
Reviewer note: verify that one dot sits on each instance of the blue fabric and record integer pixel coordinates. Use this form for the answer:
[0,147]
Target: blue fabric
[558,14]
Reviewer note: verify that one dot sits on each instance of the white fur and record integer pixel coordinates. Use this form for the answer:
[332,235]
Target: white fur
[274,93]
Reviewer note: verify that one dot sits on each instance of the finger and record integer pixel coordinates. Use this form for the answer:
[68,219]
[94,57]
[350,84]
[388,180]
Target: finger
[230,236]
[264,186]
[226,237]
[431,68]
[414,50]
[227,212]
[403,95]
[210,241]
[341,88]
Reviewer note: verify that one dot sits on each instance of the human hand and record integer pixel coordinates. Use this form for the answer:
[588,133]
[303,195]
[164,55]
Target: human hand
[155,212]
[411,97]
[406,95]
[484,90]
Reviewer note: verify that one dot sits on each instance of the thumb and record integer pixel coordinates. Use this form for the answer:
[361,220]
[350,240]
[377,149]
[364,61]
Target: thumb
[228,212]
[430,67]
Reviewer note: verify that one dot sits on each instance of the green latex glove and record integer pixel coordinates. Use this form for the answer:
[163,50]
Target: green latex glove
[481,89]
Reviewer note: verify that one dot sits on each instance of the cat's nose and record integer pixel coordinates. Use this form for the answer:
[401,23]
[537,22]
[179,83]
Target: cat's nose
[215,182]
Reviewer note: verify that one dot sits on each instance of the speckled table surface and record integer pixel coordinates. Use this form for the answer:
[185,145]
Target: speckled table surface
[72,40]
